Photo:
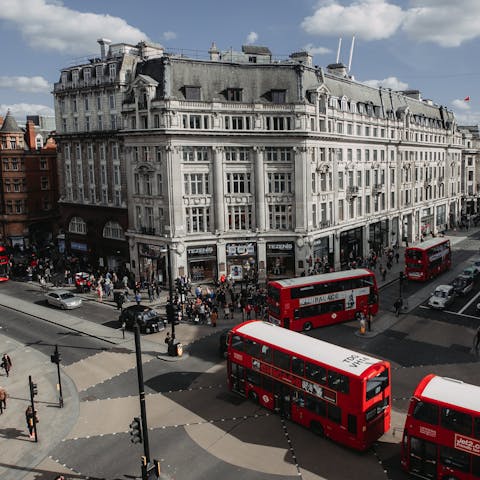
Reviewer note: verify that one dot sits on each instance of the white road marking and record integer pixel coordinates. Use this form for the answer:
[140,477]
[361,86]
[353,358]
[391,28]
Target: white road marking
[469,303]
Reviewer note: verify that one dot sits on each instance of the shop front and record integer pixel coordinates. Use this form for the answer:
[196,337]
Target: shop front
[378,236]
[280,260]
[151,263]
[202,263]
[426,222]
[242,261]
[441,218]
[322,258]
[351,246]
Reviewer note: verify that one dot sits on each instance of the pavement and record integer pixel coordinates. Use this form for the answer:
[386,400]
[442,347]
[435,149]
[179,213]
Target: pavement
[32,460]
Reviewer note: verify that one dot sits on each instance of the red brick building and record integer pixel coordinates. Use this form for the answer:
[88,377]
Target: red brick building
[28,185]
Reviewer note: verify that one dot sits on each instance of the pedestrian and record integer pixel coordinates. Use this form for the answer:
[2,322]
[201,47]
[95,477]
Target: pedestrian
[31,419]
[383,272]
[397,257]
[226,311]
[6,363]
[119,298]
[168,339]
[214,317]
[138,297]
[3,400]
[397,306]
[476,341]
[124,326]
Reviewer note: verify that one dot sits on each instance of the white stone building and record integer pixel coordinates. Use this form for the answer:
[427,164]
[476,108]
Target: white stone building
[244,164]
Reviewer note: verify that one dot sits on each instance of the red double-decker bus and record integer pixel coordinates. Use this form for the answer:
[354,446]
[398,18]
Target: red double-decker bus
[441,439]
[428,259]
[335,392]
[304,303]
[4,265]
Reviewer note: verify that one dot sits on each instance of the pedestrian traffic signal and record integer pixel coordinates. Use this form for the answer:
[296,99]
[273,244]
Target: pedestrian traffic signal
[136,431]
[33,389]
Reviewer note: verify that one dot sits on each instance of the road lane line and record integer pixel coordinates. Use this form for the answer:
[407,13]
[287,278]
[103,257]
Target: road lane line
[469,303]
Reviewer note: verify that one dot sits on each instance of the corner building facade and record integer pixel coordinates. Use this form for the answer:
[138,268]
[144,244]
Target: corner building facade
[246,166]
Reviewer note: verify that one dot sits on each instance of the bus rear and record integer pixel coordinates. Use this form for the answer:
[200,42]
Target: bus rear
[4,265]
[441,439]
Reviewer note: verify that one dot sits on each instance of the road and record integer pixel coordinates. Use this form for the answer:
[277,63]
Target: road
[199,430]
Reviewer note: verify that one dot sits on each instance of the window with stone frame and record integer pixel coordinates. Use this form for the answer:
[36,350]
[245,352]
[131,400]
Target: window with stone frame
[239,217]
[280,217]
[197,219]
[77,225]
[113,230]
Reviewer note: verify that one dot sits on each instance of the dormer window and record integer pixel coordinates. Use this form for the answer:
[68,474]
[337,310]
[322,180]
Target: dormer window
[278,96]
[87,75]
[234,94]
[192,93]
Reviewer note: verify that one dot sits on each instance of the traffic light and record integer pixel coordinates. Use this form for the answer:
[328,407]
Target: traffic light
[136,431]
[33,389]
[56,358]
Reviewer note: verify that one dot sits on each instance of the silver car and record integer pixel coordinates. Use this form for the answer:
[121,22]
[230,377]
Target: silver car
[63,299]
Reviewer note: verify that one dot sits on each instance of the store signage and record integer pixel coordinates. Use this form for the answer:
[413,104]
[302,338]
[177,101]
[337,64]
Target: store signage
[280,247]
[82,247]
[150,251]
[206,251]
[240,249]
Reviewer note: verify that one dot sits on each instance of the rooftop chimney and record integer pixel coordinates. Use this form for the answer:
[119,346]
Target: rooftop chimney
[214,52]
[30,135]
[338,69]
[104,43]
[302,57]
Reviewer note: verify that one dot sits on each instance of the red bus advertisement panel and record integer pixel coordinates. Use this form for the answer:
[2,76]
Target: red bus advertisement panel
[428,259]
[309,302]
[441,438]
[338,393]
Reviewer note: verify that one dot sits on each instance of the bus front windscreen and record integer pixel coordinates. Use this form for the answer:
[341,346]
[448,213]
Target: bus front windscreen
[377,384]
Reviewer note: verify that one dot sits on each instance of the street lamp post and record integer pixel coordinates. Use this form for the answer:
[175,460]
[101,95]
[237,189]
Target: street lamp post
[170,312]
[141,393]
[400,288]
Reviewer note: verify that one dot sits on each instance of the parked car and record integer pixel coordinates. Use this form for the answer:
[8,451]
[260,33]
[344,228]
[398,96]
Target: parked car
[63,299]
[149,320]
[442,297]
[472,271]
[462,285]
[82,282]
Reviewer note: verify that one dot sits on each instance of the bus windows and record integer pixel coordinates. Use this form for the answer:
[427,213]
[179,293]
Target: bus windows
[317,406]
[253,377]
[453,458]
[334,413]
[252,348]
[456,421]
[377,409]
[338,382]
[315,373]
[266,354]
[352,423]
[426,412]
[237,343]
[281,360]
[376,384]
[476,428]
[297,366]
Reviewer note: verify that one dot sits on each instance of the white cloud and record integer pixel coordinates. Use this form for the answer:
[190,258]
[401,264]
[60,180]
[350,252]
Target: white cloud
[169,35]
[52,26]
[35,84]
[21,110]
[367,19]
[442,22]
[310,48]
[467,118]
[252,37]
[460,104]
[390,82]
[447,24]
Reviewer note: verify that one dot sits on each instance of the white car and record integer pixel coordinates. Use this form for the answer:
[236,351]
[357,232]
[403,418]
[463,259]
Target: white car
[63,299]
[442,297]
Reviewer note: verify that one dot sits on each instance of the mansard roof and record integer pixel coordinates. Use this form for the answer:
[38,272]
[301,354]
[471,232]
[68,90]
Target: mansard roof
[10,125]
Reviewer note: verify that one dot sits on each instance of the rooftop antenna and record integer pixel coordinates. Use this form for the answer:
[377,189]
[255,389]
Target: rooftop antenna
[351,53]
[338,49]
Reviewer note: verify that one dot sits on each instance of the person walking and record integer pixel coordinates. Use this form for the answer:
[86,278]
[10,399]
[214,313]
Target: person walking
[214,317]
[138,297]
[6,363]
[397,306]
[3,400]
[30,419]
[123,327]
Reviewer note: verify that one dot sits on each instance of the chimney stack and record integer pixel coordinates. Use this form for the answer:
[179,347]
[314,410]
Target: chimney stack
[104,43]
[30,135]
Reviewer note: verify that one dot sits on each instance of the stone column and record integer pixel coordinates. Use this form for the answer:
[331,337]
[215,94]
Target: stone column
[260,212]
[218,190]
[302,189]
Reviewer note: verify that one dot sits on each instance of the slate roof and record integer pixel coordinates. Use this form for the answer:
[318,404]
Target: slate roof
[10,124]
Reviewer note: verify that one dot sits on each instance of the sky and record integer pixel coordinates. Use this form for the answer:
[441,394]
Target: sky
[425,45]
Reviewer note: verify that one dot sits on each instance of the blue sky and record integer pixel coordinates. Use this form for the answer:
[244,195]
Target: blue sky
[426,45]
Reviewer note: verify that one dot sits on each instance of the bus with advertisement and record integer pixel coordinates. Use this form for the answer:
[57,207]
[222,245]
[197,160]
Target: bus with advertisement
[4,265]
[335,392]
[303,303]
[428,259]
[441,439]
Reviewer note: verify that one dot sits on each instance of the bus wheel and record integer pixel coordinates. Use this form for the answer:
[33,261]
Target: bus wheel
[307,326]
[253,396]
[317,429]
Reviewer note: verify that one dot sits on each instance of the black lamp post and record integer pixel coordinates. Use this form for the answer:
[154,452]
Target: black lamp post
[171,310]
[400,288]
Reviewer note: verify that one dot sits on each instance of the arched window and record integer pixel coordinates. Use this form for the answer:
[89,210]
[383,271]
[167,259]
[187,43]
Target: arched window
[77,225]
[113,230]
